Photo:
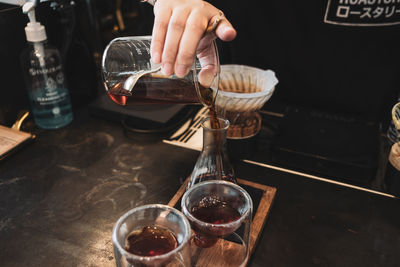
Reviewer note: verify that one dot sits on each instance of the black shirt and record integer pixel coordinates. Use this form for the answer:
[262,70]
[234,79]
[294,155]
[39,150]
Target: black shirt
[336,55]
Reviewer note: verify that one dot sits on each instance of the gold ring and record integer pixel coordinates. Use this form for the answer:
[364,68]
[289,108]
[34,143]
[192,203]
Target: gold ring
[214,25]
[151,2]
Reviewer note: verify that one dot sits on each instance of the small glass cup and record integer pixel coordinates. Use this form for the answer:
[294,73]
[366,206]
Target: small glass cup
[152,215]
[219,244]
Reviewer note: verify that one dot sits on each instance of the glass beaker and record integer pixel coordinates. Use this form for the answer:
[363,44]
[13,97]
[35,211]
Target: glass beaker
[220,215]
[130,77]
[163,222]
[213,162]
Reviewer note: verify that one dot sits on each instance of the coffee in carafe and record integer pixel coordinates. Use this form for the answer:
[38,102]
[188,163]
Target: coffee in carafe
[131,78]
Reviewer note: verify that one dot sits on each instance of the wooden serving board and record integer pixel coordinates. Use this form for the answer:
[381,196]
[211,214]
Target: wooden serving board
[262,196]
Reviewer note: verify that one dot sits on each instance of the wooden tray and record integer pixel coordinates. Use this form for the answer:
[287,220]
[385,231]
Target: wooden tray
[262,196]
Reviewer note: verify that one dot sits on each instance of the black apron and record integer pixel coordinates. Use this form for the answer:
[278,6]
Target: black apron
[336,55]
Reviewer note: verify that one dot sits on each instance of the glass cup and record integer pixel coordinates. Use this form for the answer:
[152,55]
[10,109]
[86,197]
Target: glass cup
[220,214]
[161,216]
[132,78]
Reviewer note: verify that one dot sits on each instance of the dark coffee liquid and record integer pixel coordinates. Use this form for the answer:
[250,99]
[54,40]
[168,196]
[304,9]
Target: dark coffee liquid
[212,210]
[157,89]
[151,241]
[214,122]
[207,177]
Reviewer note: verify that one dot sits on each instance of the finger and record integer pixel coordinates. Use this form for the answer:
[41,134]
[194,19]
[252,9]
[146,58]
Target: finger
[161,22]
[175,30]
[208,59]
[207,76]
[194,30]
[225,30]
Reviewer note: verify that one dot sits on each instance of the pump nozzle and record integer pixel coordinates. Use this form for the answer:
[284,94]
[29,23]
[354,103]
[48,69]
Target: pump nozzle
[35,32]
[29,8]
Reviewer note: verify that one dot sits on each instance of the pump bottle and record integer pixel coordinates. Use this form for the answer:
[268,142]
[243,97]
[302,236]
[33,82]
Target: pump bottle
[45,81]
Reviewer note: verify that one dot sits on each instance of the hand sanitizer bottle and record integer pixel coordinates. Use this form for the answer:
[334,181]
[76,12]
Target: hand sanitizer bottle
[44,77]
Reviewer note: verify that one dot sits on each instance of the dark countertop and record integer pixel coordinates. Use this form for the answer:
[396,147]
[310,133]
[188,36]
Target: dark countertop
[61,195]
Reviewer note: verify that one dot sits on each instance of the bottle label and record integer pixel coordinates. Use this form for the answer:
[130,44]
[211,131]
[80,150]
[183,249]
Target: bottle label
[41,71]
[51,97]
[48,93]
[54,102]
[53,91]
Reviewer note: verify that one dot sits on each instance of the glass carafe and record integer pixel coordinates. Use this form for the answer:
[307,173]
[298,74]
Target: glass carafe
[130,77]
[213,162]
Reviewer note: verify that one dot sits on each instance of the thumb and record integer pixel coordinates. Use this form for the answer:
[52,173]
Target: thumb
[225,31]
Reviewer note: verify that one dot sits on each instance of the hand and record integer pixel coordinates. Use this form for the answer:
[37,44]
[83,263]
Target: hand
[178,32]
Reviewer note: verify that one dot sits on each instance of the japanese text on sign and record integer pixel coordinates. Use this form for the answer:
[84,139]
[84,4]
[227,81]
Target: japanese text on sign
[363,12]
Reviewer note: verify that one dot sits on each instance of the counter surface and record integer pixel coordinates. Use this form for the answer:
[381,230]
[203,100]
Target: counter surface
[61,195]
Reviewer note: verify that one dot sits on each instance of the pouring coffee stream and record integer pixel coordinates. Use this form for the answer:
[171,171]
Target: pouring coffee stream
[131,78]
